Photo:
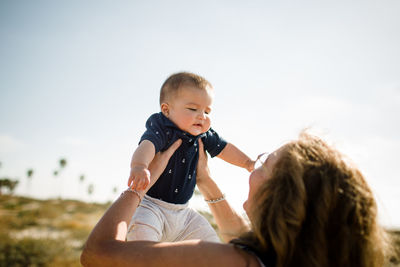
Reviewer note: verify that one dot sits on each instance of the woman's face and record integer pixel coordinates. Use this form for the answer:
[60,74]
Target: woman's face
[258,177]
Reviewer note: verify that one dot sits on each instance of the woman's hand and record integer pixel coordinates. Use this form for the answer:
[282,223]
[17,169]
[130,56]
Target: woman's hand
[230,224]
[203,172]
[208,188]
[113,225]
[160,161]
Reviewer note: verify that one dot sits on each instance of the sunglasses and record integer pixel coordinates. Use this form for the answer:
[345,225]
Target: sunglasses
[260,160]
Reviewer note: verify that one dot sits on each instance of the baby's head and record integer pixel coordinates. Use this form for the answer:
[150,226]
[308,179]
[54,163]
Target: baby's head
[186,99]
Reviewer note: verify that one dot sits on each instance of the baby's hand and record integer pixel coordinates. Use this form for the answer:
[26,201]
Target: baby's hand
[139,177]
[250,165]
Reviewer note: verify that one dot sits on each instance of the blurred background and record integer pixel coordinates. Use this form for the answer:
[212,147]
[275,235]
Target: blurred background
[78,79]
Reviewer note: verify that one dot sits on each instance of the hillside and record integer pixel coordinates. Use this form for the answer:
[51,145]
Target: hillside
[44,232]
[49,232]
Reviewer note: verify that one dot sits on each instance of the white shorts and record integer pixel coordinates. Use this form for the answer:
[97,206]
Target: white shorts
[157,220]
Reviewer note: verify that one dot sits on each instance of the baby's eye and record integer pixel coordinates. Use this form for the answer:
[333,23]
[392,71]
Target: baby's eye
[192,109]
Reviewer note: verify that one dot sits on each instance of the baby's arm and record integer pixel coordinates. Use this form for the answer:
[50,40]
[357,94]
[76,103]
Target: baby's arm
[139,177]
[235,156]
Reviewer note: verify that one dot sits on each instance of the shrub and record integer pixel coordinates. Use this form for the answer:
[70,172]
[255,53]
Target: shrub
[35,252]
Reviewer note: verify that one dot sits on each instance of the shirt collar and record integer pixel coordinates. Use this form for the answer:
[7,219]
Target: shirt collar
[168,123]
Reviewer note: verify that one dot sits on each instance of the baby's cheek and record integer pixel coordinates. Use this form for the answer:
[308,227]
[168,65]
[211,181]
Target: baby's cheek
[207,124]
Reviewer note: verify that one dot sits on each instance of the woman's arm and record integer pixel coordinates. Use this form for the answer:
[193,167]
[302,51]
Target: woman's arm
[113,225]
[230,224]
[106,245]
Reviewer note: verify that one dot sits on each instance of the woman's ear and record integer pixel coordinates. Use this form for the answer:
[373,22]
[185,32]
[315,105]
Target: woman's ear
[165,109]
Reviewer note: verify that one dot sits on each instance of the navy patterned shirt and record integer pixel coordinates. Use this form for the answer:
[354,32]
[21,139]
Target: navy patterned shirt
[176,184]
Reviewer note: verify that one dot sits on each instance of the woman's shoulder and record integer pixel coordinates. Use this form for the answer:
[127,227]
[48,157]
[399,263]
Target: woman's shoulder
[265,259]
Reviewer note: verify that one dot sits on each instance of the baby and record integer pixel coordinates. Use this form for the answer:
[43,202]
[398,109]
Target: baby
[163,215]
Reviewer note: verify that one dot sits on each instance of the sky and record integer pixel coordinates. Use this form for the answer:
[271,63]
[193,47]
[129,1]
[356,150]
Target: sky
[78,79]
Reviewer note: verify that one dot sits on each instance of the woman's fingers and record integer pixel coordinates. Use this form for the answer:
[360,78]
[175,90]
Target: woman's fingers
[171,150]
[202,153]
[203,159]
[161,159]
[202,166]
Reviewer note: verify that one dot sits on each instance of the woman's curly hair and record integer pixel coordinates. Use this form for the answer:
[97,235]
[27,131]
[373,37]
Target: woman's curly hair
[316,210]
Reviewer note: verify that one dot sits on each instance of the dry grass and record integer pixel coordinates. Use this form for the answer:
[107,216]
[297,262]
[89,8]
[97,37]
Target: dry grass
[44,232]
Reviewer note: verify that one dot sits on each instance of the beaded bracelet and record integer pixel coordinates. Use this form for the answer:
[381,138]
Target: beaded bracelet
[212,201]
[133,191]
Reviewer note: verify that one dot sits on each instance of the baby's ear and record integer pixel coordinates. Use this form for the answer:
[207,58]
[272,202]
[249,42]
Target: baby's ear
[165,109]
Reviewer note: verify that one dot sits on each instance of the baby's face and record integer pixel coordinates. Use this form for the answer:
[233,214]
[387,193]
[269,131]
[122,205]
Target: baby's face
[189,109]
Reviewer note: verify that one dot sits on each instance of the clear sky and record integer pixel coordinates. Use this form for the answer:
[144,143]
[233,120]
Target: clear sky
[78,80]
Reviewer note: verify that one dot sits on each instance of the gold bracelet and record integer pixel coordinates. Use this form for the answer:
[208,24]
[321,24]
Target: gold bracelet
[135,192]
[212,201]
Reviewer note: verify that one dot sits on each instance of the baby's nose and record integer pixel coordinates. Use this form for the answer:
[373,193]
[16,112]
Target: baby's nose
[202,115]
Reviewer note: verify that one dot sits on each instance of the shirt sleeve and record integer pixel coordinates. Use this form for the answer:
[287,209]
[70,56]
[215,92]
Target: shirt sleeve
[213,143]
[155,132]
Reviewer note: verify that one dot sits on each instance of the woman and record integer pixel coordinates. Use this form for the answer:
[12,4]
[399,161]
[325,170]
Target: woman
[306,205]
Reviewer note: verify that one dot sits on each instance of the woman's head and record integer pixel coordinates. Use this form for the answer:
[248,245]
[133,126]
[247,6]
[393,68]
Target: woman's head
[313,208]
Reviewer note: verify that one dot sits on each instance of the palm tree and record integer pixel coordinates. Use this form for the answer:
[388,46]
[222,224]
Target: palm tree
[8,183]
[62,163]
[12,186]
[29,175]
[90,189]
[80,187]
